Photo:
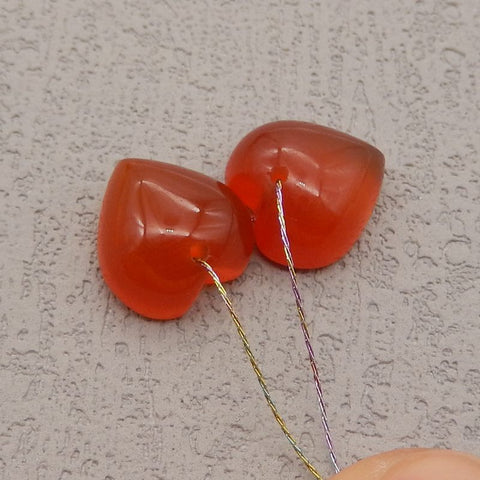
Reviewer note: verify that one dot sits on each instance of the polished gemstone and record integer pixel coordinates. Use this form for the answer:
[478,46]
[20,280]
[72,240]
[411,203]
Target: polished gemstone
[155,220]
[330,181]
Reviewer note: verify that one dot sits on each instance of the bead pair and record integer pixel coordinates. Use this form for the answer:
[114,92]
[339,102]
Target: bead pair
[157,219]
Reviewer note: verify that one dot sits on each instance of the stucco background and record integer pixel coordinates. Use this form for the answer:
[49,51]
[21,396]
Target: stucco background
[90,390]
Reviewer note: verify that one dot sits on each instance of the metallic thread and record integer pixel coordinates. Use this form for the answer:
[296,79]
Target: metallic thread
[303,324]
[256,369]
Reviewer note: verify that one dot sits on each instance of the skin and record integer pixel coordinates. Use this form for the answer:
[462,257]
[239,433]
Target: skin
[414,464]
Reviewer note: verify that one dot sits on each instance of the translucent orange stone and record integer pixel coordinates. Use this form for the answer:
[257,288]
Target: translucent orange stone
[155,220]
[331,182]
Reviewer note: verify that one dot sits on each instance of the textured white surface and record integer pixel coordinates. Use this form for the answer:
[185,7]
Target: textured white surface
[89,389]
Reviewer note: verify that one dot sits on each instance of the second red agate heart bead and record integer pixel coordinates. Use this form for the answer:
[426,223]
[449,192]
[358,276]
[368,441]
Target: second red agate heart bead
[156,219]
[330,181]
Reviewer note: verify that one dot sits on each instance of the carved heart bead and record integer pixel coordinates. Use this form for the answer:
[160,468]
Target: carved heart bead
[330,180]
[155,220]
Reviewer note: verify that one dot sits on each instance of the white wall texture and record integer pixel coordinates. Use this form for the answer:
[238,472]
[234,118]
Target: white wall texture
[89,389]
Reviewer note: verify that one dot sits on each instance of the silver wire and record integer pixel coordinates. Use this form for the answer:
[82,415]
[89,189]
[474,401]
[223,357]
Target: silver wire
[256,368]
[303,324]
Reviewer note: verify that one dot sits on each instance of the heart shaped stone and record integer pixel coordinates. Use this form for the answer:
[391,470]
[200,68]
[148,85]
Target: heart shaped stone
[330,180]
[155,220]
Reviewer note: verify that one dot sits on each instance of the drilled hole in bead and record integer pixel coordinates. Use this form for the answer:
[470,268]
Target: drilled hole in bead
[279,173]
[199,251]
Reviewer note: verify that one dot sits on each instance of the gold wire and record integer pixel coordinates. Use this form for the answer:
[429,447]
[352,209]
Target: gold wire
[256,369]
[303,325]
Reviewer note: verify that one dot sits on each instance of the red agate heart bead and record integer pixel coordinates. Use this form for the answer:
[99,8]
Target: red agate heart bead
[330,185]
[155,220]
